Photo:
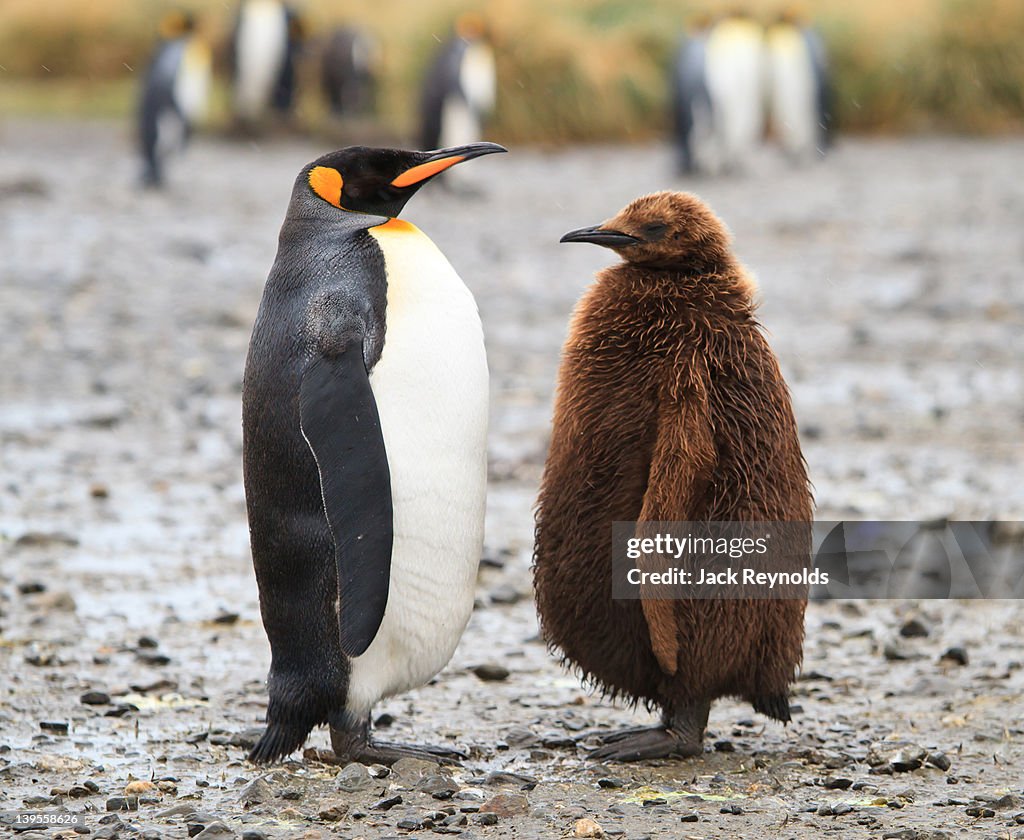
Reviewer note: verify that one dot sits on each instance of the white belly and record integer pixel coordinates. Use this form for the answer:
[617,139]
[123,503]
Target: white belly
[735,79]
[794,107]
[460,124]
[430,386]
[477,78]
[259,55]
[192,84]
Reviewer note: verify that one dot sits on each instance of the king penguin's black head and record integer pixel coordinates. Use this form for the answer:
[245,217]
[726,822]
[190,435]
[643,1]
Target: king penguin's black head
[379,181]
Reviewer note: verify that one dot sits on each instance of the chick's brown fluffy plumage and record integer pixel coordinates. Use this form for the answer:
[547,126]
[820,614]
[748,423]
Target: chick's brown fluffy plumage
[670,406]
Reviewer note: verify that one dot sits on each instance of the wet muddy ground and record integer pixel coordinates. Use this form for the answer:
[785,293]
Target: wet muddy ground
[131,655]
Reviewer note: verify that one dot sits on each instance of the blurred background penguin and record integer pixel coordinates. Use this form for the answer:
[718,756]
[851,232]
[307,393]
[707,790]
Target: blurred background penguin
[175,94]
[693,128]
[459,90]
[799,91]
[348,72]
[263,52]
[735,72]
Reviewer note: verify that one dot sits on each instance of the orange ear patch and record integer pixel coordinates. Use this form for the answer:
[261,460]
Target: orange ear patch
[425,170]
[326,183]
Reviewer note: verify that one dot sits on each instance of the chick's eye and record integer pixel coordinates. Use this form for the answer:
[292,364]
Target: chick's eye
[655,230]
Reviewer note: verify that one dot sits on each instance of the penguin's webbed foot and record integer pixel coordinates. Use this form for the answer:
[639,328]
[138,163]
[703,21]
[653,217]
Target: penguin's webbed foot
[652,742]
[605,738]
[680,735]
[354,744]
[388,754]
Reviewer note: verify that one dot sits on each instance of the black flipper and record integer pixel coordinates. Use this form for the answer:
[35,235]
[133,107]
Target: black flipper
[339,421]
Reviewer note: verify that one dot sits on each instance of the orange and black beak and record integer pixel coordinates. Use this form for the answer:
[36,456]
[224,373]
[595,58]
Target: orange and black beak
[601,236]
[437,162]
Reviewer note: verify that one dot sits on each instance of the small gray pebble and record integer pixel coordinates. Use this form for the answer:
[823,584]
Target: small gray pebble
[914,628]
[216,830]
[506,595]
[491,672]
[955,654]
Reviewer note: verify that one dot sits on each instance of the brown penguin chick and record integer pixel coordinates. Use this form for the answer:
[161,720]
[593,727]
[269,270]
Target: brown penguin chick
[670,407]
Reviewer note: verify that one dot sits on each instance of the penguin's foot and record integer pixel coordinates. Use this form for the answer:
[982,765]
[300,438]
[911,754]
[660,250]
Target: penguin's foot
[680,735]
[355,745]
[388,754]
[656,742]
[605,738]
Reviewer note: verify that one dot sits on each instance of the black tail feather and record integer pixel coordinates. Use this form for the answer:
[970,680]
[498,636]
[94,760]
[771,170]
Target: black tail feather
[277,741]
[775,706]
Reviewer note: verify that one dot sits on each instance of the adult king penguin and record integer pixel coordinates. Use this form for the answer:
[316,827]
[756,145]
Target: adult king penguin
[364,413]
[348,72]
[735,78]
[174,94]
[459,88]
[799,88]
[670,407]
[693,125]
[264,48]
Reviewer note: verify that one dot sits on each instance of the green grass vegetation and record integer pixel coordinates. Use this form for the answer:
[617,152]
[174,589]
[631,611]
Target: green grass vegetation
[568,69]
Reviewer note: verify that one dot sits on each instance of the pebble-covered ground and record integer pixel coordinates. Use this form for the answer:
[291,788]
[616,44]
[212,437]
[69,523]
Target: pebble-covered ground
[131,654]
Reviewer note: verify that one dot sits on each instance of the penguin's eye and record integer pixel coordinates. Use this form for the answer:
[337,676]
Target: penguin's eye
[655,230]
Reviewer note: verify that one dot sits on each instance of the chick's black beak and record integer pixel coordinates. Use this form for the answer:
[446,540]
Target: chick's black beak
[437,162]
[600,236]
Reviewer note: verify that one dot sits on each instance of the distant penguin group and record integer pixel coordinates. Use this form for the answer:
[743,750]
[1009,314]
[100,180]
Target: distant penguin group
[732,77]
[267,42]
[174,94]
